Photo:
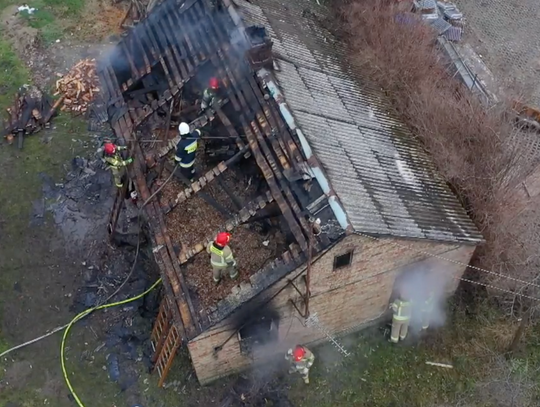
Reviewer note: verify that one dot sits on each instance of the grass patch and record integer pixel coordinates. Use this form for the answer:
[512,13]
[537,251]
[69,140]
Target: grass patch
[380,374]
[25,166]
[3,345]
[52,17]
[13,74]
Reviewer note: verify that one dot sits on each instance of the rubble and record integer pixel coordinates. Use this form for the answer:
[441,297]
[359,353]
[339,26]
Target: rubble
[79,86]
[31,111]
[251,256]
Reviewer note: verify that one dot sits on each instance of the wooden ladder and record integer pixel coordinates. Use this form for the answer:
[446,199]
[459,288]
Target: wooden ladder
[117,209]
[165,341]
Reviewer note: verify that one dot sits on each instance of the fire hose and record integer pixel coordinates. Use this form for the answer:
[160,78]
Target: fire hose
[81,316]
[114,304]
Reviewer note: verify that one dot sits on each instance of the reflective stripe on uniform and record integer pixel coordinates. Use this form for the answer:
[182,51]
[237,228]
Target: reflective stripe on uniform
[191,147]
[401,308]
[184,165]
[114,161]
[217,251]
[222,260]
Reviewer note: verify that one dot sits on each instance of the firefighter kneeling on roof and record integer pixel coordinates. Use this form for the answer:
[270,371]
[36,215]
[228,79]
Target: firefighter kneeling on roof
[186,150]
[114,161]
[301,359]
[221,257]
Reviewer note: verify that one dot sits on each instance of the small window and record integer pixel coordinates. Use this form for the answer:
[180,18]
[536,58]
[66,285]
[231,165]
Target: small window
[343,260]
[257,333]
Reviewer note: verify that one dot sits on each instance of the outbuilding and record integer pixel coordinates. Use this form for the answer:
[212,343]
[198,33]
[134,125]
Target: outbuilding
[356,200]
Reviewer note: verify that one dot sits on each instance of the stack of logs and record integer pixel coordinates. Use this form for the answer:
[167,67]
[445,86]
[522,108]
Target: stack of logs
[78,87]
[30,112]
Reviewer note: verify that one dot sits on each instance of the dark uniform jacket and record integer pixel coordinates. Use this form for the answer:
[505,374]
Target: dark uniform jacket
[187,148]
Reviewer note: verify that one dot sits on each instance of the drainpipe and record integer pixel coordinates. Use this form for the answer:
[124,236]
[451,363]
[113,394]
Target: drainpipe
[312,160]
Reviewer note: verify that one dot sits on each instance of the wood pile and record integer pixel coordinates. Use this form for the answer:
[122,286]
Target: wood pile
[31,111]
[78,87]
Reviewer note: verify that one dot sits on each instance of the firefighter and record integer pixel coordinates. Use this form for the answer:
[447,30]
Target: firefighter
[427,309]
[114,161]
[210,94]
[186,150]
[400,318]
[221,257]
[300,359]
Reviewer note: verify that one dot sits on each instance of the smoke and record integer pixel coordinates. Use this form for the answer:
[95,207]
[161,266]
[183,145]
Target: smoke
[417,284]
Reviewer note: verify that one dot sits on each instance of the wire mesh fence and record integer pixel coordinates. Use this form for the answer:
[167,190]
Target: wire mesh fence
[508,39]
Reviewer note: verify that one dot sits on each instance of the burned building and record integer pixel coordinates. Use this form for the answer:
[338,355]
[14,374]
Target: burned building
[327,195]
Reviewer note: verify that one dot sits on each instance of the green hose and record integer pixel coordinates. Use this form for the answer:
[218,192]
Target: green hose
[81,316]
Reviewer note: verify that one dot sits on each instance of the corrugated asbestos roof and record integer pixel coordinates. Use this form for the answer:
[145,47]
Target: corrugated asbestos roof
[386,182]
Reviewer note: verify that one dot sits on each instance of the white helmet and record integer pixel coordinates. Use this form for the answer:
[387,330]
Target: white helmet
[183,128]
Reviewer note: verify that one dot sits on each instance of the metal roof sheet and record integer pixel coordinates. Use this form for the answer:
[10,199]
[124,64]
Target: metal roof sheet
[385,180]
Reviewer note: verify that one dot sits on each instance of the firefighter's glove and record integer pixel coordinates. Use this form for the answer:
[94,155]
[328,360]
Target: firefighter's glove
[129,160]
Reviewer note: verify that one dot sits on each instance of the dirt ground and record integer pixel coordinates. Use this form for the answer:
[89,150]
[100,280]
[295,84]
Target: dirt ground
[43,61]
[55,261]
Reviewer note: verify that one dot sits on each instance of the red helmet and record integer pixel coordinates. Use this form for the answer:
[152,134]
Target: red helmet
[223,238]
[109,148]
[298,353]
[214,83]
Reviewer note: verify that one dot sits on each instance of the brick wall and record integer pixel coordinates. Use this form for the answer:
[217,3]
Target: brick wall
[343,299]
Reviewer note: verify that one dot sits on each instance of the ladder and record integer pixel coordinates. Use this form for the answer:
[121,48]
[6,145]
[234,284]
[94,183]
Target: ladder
[313,322]
[116,209]
[165,341]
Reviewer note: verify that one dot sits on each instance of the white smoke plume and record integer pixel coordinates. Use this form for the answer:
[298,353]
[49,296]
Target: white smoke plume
[416,283]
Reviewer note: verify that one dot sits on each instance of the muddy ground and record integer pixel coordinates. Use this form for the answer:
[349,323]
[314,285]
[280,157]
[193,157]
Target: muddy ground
[56,261]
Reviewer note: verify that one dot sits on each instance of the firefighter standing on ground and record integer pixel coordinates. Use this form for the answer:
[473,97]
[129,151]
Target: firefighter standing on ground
[301,359]
[186,150]
[210,94]
[114,161]
[221,257]
[427,309]
[400,318]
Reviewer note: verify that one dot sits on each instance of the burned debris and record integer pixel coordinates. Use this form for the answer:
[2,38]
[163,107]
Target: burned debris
[244,213]
[173,82]
[31,111]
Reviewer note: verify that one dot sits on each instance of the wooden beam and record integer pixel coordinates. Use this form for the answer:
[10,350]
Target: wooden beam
[242,216]
[203,181]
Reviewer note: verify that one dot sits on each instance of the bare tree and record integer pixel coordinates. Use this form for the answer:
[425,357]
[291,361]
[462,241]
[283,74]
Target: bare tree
[475,147]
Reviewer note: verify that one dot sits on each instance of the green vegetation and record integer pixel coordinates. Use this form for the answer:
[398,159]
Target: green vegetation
[20,183]
[380,374]
[13,74]
[44,152]
[51,17]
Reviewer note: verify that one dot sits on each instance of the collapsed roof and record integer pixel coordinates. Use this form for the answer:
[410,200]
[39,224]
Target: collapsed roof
[307,119]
